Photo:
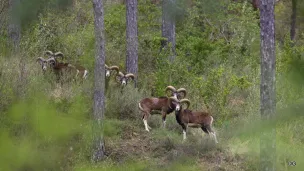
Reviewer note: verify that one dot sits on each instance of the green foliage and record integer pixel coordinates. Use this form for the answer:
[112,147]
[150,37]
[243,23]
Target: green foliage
[116,106]
[115,26]
[211,55]
[37,125]
[217,61]
[112,127]
[28,10]
[290,69]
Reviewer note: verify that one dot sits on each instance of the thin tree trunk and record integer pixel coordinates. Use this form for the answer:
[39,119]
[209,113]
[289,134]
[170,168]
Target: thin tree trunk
[293,20]
[267,86]
[168,30]
[14,25]
[99,82]
[168,26]
[132,39]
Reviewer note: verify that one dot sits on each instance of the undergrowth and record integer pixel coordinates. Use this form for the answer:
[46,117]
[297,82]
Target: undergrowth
[47,126]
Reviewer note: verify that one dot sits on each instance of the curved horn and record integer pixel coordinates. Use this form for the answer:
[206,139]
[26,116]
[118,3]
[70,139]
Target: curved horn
[58,54]
[40,59]
[185,101]
[116,68]
[174,99]
[182,90]
[106,66]
[170,88]
[120,74]
[130,75]
[49,53]
[51,59]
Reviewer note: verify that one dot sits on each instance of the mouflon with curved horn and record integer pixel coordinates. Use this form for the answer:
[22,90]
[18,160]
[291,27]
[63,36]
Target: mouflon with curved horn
[43,62]
[163,104]
[111,69]
[123,79]
[196,119]
[179,94]
[54,55]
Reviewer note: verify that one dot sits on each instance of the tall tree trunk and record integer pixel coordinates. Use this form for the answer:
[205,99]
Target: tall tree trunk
[293,20]
[99,82]
[132,39]
[267,86]
[168,26]
[14,25]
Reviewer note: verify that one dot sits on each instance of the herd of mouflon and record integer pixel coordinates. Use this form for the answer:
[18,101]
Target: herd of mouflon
[60,68]
[166,104]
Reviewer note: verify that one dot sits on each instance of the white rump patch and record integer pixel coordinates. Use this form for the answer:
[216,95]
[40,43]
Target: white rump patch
[139,105]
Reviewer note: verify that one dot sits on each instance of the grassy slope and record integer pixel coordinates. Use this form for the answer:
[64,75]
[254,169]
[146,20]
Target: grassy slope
[127,144]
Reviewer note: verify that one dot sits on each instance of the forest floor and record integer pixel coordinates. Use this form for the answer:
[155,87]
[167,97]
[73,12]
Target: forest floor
[163,149]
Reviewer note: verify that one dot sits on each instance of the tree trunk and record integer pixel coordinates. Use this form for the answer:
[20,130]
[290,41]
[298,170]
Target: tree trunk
[99,82]
[132,40]
[14,25]
[168,26]
[293,20]
[267,86]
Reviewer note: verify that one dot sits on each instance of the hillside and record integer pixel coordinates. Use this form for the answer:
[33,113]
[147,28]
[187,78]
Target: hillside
[48,126]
